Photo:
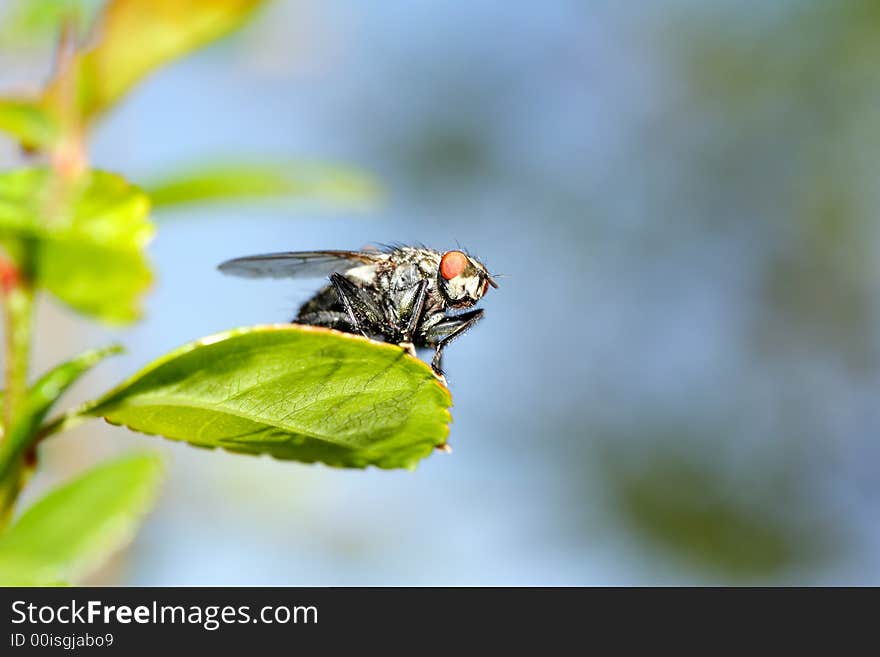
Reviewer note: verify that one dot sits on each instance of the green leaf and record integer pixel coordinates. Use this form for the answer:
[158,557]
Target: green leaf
[21,569]
[40,399]
[293,392]
[135,37]
[235,182]
[87,239]
[27,121]
[73,529]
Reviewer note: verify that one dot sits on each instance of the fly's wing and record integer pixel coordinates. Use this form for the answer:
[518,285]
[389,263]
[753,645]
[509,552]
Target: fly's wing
[298,264]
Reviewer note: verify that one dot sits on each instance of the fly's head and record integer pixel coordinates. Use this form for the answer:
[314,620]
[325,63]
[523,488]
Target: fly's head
[462,280]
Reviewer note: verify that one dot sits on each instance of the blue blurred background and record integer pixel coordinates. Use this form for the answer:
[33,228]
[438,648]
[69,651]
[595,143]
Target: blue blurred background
[676,382]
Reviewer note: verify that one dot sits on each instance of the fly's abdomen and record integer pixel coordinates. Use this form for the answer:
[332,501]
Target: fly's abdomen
[325,299]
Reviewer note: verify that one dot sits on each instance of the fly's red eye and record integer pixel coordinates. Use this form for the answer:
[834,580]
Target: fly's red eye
[452,264]
[485,288]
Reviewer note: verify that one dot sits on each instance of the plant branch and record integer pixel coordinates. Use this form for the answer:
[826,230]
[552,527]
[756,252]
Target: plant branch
[18,297]
[60,424]
[18,301]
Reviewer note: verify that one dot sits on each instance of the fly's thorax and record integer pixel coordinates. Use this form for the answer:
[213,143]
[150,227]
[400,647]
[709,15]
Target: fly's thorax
[364,274]
[404,275]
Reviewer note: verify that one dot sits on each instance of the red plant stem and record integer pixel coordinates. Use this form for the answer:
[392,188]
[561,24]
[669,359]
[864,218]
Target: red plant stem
[17,307]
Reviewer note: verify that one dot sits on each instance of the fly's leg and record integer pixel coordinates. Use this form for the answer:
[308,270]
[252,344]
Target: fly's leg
[363,313]
[445,331]
[410,312]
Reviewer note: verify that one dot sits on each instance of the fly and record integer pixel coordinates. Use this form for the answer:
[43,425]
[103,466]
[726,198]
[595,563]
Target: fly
[411,296]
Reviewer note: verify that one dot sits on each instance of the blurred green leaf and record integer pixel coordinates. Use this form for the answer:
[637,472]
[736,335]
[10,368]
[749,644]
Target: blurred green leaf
[23,570]
[86,239]
[30,21]
[293,392]
[695,512]
[73,529]
[234,182]
[27,121]
[134,38]
[40,399]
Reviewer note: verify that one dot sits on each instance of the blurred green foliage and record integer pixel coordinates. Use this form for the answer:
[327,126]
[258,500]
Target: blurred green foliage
[792,99]
[85,239]
[40,399]
[73,529]
[28,122]
[166,30]
[252,182]
[751,168]
[714,519]
[30,22]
